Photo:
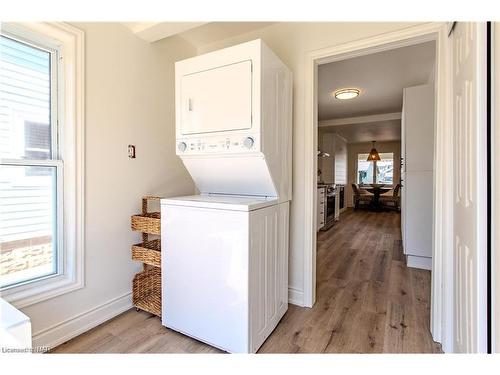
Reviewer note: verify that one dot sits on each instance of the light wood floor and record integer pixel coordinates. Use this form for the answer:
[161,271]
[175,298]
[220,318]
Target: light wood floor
[368,301]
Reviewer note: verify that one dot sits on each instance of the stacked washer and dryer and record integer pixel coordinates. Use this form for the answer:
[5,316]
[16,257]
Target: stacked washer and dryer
[225,257]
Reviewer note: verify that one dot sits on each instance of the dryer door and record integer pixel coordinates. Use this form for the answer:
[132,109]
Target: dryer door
[217,100]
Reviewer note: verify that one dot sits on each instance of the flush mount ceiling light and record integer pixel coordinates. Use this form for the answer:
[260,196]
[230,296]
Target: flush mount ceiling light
[345,94]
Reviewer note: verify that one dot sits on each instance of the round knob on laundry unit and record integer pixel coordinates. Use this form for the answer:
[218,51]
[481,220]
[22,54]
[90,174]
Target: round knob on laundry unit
[182,146]
[248,142]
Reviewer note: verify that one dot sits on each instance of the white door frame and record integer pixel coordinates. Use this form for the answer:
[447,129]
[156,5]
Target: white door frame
[442,282]
[495,145]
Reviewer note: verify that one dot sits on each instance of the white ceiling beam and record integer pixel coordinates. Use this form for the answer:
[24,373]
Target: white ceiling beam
[154,31]
[360,119]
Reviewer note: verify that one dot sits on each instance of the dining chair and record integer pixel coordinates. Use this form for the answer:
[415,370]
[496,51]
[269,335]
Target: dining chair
[360,197]
[394,200]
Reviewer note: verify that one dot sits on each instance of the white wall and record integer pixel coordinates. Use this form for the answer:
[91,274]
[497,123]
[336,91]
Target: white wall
[353,149]
[129,100]
[291,42]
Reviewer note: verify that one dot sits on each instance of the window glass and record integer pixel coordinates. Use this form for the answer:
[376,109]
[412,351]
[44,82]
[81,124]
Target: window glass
[28,171]
[27,223]
[25,95]
[383,169]
[365,170]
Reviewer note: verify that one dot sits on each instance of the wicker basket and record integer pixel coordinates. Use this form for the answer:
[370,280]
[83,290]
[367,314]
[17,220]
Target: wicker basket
[147,222]
[147,291]
[148,252]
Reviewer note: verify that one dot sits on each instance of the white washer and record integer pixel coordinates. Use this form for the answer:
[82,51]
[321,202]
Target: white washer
[224,268]
[225,252]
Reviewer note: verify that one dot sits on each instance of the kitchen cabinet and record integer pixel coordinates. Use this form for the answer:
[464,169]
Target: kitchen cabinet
[334,167]
[417,170]
[340,163]
[321,209]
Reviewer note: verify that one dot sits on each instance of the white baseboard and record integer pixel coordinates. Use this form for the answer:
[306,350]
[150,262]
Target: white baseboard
[295,296]
[66,330]
[424,263]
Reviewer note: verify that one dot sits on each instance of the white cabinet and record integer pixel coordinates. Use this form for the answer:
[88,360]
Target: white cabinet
[340,169]
[327,164]
[418,123]
[418,206]
[417,155]
[334,167]
[321,210]
[15,327]
[217,99]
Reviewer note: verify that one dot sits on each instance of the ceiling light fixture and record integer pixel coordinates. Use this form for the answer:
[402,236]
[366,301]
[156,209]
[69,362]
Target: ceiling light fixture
[373,155]
[345,94]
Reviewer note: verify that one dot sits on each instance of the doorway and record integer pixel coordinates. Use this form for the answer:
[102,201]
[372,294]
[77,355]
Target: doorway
[375,147]
[441,241]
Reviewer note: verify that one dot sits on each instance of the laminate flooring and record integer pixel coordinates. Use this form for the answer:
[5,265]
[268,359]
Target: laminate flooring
[367,301]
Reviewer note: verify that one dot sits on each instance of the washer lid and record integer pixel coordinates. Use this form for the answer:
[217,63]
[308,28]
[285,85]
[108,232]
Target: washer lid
[222,202]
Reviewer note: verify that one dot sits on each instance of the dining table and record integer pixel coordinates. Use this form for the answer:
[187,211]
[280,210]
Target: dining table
[377,190]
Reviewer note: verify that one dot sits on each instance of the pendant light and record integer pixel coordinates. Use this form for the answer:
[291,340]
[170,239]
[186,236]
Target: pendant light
[373,156]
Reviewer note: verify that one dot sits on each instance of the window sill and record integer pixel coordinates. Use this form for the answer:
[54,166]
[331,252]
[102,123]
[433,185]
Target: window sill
[37,291]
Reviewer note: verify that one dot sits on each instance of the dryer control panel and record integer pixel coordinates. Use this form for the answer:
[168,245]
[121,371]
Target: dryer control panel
[230,144]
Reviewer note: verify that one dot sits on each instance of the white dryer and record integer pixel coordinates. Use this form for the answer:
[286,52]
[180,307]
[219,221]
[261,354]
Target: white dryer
[225,251]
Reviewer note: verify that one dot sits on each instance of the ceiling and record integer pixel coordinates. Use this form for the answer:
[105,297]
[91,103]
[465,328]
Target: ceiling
[369,131]
[381,78]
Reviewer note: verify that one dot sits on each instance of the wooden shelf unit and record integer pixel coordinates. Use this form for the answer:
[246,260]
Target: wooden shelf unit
[146,285]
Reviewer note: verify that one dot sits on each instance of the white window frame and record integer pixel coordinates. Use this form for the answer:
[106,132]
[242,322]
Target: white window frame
[68,70]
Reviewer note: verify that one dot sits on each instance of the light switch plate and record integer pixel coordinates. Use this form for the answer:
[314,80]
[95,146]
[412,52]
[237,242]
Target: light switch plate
[131,151]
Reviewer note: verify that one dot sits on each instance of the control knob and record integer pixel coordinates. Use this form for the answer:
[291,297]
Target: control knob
[182,146]
[248,142]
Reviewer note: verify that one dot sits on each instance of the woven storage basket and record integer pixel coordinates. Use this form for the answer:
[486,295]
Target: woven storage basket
[148,252]
[147,291]
[147,222]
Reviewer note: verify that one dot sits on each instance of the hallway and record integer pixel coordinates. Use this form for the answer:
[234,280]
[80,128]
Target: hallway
[368,301]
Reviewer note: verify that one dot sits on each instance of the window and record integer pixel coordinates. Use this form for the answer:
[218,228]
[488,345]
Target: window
[384,169]
[30,167]
[40,161]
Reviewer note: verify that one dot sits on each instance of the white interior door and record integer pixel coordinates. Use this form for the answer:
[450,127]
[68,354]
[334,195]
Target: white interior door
[469,126]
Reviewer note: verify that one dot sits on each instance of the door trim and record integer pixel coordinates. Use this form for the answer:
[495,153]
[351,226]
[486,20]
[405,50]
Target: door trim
[495,188]
[442,285]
